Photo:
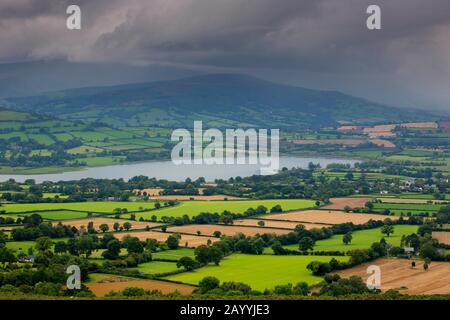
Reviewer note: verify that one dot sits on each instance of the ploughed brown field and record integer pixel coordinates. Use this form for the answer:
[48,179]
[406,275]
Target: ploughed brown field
[118,284]
[78,223]
[444,125]
[380,128]
[190,241]
[383,143]
[398,274]
[341,203]
[386,130]
[209,229]
[429,124]
[151,192]
[381,134]
[442,237]
[350,128]
[275,224]
[328,217]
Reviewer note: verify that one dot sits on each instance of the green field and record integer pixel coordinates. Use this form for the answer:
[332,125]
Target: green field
[174,254]
[7,115]
[103,207]
[157,267]
[97,254]
[23,246]
[260,272]
[357,175]
[192,208]
[60,215]
[96,277]
[19,246]
[101,161]
[408,206]
[84,150]
[420,196]
[361,239]
[50,195]
[412,212]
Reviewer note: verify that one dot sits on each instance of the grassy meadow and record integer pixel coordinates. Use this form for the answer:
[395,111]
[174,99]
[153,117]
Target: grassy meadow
[361,239]
[100,206]
[260,272]
[192,208]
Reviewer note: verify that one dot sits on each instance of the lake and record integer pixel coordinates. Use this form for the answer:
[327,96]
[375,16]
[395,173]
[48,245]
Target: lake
[168,170]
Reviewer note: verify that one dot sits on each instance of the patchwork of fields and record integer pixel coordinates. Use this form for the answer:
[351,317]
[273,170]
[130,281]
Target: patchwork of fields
[192,208]
[92,142]
[259,271]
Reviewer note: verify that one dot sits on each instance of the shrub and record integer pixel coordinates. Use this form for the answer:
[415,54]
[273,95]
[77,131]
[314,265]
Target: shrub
[207,284]
[338,287]
[47,289]
[8,288]
[133,292]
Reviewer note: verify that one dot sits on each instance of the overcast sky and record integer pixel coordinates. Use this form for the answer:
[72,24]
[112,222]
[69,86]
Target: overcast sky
[312,43]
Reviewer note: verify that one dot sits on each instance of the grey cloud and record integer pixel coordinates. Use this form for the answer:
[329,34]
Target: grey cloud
[321,43]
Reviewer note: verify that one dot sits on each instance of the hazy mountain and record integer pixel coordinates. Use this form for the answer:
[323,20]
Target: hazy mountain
[220,100]
[30,78]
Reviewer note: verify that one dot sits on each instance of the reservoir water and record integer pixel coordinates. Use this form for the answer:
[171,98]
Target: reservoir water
[168,170]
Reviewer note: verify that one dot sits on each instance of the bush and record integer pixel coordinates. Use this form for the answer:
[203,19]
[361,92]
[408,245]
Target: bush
[48,289]
[208,284]
[8,288]
[133,292]
[319,268]
[301,289]
[236,286]
[283,289]
[338,287]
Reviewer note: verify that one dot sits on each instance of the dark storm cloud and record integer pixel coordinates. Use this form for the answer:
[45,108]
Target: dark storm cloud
[320,43]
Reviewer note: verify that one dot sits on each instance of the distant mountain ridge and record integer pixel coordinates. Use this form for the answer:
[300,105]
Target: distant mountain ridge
[36,77]
[217,99]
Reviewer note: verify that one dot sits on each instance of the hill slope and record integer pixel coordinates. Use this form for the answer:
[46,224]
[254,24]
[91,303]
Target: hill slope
[220,100]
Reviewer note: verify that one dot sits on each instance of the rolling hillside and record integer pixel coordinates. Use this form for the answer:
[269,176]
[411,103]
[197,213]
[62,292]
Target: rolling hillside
[220,100]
